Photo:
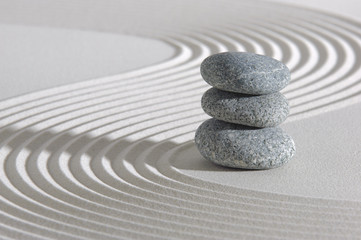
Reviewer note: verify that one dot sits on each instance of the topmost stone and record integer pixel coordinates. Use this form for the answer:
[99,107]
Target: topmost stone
[244,72]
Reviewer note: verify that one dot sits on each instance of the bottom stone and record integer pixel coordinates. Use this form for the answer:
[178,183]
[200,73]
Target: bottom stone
[239,146]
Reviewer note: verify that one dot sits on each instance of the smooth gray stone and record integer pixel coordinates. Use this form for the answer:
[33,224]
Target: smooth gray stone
[245,72]
[238,146]
[257,111]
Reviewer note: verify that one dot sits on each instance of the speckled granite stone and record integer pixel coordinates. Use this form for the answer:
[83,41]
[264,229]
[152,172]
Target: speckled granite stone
[238,146]
[258,111]
[245,72]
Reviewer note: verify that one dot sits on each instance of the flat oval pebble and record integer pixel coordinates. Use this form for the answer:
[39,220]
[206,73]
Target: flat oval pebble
[257,111]
[244,72]
[238,146]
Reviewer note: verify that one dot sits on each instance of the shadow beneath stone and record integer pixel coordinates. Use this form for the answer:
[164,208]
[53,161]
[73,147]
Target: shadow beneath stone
[185,157]
[189,158]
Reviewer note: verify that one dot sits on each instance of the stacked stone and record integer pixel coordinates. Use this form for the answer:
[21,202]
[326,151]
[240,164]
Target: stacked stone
[246,107]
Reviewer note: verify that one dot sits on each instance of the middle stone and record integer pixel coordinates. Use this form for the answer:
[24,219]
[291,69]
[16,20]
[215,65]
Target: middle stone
[257,111]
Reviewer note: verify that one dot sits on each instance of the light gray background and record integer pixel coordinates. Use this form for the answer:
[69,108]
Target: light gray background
[34,58]
[58,178]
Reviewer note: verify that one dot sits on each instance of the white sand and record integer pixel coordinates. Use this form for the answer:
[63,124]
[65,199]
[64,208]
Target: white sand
[113,157]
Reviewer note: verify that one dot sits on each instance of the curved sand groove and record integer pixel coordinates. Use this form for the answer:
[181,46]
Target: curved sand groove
[100,159]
